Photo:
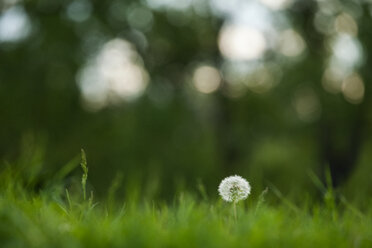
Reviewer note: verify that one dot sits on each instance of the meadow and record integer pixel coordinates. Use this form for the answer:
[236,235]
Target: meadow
[54,215]
[168,98]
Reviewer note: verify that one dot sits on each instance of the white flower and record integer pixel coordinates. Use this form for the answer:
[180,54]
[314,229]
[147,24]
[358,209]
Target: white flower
[234,189]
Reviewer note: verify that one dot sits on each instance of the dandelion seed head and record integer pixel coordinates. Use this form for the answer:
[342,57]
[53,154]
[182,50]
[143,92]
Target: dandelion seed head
[234,189]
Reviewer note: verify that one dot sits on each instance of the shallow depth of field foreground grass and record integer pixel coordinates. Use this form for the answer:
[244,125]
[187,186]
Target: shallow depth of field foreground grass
[40,221]
[53,217]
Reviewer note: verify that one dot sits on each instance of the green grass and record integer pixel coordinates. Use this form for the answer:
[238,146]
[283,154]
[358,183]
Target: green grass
[56,217]
[41,221]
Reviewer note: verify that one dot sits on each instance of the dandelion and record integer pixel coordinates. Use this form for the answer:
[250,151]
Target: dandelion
[234,189]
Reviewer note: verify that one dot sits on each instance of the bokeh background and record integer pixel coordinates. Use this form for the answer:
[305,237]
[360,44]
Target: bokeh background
[167,95]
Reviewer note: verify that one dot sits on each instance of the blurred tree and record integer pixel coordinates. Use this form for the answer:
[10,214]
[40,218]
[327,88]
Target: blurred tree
[173,131]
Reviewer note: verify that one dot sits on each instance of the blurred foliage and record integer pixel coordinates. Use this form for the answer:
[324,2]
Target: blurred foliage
[173,136]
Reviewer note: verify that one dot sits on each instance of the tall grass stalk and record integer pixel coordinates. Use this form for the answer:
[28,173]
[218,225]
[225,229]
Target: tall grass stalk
[84,178]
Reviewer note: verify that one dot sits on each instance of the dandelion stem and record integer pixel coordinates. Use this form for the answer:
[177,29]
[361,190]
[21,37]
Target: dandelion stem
[234,207]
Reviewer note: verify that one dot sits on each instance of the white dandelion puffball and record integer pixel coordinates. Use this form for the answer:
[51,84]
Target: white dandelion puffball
[234,189]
